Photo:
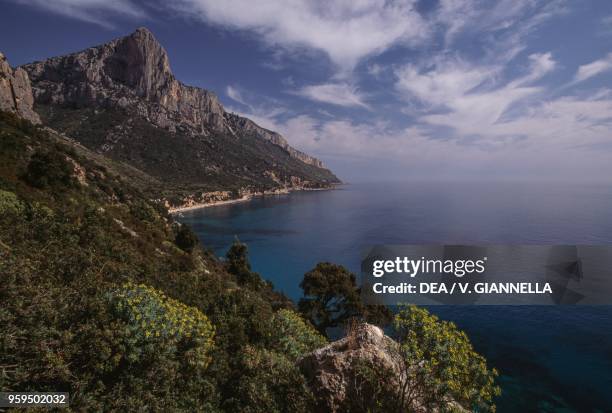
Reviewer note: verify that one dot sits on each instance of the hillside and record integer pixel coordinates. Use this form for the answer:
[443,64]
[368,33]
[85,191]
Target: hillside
[121,99]
[95,278]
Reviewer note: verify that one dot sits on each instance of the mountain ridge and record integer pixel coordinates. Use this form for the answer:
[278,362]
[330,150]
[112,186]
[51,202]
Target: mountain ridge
[135,71]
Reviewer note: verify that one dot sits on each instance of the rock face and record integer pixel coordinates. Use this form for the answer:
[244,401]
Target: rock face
[16,92]
[330,370]
[248,127]
[134,72]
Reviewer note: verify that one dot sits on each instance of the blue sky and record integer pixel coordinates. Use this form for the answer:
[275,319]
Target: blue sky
[380,90]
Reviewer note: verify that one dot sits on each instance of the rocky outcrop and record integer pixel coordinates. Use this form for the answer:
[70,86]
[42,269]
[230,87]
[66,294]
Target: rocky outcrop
[16,92]
[331,369]
[133,72]
[332,374]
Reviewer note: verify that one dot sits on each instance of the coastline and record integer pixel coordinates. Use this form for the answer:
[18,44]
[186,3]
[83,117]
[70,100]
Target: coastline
[245,198]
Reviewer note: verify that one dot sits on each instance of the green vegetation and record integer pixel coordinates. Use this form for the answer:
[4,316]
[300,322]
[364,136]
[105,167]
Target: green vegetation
[153,318]
[293,336]
[448,364]
[331,299]
[98,300]
[49,168]
[435,369]
[176,164]
[186,239]
[105,297]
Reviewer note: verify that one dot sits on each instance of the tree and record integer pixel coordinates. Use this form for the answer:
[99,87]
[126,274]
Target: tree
[439,365]
[49,168]
[238,264]
[186,239]
[331,298]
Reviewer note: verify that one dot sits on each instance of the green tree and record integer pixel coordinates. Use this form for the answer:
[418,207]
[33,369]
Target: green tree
[49,168]
[238,264]
[331,298]
[186,239]
[439,364]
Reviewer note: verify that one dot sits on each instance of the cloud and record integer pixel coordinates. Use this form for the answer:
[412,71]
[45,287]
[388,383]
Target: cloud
[235,94]
[593,69]
[469,98]
[340,94]
[100,12]
[540,64]
[345,30]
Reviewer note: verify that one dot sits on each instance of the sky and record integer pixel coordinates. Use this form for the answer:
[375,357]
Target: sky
[378,89]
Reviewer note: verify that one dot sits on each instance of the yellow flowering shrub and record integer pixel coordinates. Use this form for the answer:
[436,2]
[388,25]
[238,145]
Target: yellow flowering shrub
[152,316]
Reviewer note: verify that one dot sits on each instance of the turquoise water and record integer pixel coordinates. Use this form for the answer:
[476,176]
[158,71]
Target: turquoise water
[556,359]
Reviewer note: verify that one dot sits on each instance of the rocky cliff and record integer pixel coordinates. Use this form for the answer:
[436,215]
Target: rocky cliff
[134,72]
[16,92]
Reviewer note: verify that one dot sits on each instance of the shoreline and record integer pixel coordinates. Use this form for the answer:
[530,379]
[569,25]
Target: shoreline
[245,198]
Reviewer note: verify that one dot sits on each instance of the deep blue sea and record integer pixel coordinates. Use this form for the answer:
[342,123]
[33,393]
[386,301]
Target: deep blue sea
[551,359]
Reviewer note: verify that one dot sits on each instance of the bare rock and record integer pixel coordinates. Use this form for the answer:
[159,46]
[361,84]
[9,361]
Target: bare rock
[133,73]
[330,370]
[16,92]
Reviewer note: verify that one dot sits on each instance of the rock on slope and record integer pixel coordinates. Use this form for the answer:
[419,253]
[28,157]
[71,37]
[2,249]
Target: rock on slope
[331,370]
[129,79]
[16,92]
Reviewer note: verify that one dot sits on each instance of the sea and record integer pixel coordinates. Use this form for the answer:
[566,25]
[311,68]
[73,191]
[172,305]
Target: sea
[550,358]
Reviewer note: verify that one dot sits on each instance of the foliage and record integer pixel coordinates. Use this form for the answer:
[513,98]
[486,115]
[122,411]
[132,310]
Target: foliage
[331,298]
[80,292]
[10,204]
[293,336]
[49,168]
[151,316]
[373,390]
[186,239]
[447,364]
[177,164]
[271,383]
[238,264]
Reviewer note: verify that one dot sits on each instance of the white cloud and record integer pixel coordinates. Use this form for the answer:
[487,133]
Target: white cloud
[469,99]
[540,64]
[346,30]
[481,16]
[593,69]
[234,93]
[100,12]
[340,94]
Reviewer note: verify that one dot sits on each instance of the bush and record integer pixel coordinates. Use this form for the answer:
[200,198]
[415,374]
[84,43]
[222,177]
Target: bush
[186,239]
[9,204]
[447,364]
[49,168]
[151,317]
[292,336]
[271,383]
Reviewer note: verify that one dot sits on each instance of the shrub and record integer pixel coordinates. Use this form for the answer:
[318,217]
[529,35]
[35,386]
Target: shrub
[49,168]
[9,204]
[447,364]
[292,336]
[186,239]
[271,383]
[151,316]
